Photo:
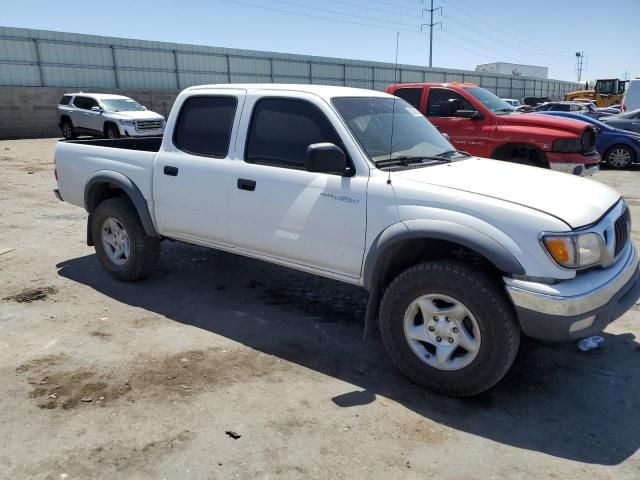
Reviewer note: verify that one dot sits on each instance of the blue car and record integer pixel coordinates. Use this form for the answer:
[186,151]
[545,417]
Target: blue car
[618,148]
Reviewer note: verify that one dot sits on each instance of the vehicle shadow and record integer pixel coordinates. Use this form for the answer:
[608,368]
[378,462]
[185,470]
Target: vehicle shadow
[556,400]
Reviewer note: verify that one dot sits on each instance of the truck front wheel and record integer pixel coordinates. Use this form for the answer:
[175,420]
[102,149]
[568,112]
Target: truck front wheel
[449,328]
[125,251]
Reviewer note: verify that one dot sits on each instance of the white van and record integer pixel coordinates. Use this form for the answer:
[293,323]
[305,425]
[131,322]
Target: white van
[631,99]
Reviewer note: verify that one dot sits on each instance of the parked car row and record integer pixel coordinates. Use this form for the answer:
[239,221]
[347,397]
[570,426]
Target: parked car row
[474,119]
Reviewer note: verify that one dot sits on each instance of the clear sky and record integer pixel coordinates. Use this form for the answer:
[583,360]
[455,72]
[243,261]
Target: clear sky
[534,32]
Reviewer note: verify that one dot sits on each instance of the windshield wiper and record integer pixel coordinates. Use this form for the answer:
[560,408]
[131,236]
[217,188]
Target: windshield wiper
[403,160]
[449,153]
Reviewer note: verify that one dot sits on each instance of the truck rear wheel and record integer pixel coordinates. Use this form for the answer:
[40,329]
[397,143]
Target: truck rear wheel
[449,328]
[125,251]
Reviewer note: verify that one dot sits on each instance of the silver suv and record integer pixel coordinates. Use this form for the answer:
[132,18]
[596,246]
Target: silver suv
[105,115]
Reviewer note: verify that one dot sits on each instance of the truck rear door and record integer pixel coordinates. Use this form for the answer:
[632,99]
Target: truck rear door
[192,172]
[466,134]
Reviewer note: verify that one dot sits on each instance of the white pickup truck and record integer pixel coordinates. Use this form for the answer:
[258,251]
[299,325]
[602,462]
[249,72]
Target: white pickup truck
[460,254]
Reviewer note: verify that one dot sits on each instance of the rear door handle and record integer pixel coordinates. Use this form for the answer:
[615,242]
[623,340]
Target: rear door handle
[171,171]
[244,184]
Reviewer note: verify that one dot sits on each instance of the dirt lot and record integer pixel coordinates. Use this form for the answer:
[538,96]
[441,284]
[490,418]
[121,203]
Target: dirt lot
[155,379]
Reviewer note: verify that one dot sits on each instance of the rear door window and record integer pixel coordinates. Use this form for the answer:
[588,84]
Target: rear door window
[410,95]
[85,103]
[204,125]
[442,101]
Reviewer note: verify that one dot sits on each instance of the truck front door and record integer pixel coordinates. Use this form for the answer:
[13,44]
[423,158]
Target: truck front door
[283,211]
[466,134]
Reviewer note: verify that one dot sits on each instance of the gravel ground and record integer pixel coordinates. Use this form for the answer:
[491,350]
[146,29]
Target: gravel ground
[225,367]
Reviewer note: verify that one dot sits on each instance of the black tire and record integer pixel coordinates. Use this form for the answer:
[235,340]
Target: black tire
[111,131]
[610,160]
[484,298]
[68,132]
[143,249]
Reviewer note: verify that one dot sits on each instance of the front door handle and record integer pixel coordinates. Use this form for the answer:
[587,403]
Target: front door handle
[244,184]
[171,171]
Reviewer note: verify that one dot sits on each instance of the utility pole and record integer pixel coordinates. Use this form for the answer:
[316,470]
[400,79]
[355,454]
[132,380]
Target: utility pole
[626,75]
[430,25]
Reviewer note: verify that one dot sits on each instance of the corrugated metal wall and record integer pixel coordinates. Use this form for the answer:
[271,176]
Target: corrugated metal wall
[57,59]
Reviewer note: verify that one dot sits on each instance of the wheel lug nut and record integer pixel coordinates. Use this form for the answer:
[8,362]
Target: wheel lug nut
[431,328]
[436,318]
[455,329]
[438,339]
[450,340]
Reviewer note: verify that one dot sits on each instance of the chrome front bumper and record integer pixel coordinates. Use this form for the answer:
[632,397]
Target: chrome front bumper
[574,308]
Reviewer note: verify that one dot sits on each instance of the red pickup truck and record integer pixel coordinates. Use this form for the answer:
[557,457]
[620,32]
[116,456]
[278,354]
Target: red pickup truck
[479,122]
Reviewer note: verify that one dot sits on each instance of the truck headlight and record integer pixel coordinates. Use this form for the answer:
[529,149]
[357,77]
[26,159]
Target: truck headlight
[127,122]
[567,145]
[575,251]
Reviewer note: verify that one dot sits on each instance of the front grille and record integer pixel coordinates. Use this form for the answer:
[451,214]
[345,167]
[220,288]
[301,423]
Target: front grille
[622,227]
[148,125]
[588,141]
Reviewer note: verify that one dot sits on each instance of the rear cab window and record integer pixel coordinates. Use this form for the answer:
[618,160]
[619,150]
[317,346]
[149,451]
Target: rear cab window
[411,95]
[204,125]
[282,129]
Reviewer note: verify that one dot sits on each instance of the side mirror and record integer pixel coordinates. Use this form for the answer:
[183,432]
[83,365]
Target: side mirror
[326,158]
[446,135]
[472,114]
[96,109]
[144,106]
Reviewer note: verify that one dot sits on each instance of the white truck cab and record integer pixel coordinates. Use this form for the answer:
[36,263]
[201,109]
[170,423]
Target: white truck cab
[460,255]
[106,115]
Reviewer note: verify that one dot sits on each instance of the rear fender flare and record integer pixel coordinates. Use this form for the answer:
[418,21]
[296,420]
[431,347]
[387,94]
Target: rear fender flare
[106,177]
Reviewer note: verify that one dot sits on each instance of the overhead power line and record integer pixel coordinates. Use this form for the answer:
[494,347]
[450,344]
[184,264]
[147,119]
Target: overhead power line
[494,28]
[319,17]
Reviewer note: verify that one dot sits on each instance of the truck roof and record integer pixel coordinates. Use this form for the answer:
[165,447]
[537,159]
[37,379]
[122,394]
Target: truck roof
[434,84]
[324,91]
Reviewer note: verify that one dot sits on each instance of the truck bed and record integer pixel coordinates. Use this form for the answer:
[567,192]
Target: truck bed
[78,160]
[146,144]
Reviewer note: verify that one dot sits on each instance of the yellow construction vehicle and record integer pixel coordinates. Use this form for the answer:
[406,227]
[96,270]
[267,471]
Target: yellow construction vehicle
[606,92]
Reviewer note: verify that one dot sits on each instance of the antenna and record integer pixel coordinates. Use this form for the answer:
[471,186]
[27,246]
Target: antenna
[393,108]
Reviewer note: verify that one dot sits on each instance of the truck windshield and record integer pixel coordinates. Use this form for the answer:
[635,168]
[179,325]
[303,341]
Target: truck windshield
[121,105]
[370,120]
[491,101]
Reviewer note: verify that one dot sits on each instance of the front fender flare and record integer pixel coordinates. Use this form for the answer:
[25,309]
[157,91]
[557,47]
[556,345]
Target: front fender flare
[130,189]
[437,230]
[468,237]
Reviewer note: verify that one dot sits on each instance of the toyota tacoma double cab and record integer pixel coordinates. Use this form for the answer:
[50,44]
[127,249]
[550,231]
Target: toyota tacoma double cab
[460,255]
[479,122]
[106,115]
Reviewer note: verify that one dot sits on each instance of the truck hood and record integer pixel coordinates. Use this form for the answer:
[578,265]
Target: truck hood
[544,121]
[574,200]
[143,115]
